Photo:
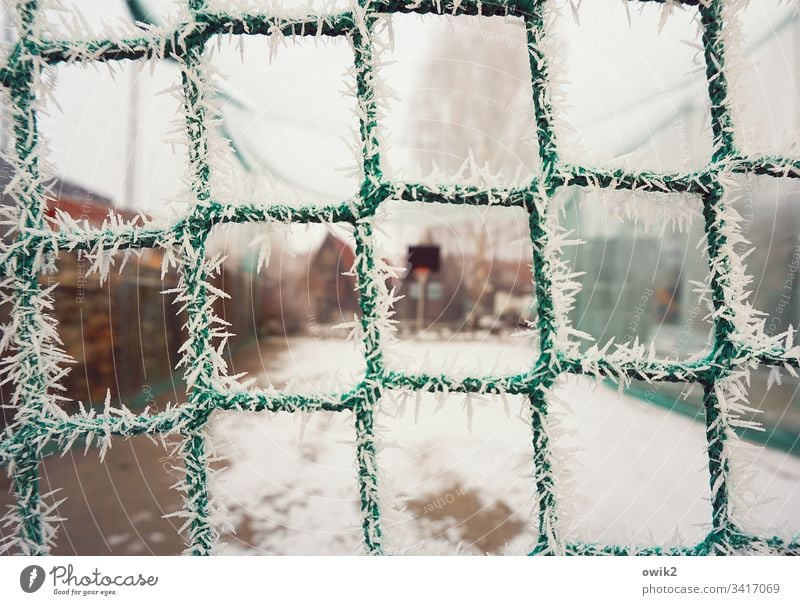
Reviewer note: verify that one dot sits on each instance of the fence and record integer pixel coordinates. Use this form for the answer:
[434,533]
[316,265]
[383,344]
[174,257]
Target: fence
[34,363]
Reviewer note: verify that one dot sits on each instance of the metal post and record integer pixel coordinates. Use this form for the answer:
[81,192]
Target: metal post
[422,281]
[133,133]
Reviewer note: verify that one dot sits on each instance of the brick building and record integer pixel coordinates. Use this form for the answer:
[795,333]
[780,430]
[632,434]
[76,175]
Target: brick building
[124,335]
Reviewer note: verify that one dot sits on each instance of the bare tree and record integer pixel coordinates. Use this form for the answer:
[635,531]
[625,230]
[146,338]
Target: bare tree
[476,100]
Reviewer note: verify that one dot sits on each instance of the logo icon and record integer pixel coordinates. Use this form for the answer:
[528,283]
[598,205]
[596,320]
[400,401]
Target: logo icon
[31,578]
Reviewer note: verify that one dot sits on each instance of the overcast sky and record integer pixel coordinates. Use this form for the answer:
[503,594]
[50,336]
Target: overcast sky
[624,86]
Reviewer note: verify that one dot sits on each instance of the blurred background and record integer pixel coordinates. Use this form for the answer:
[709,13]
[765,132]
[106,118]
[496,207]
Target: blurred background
[629,92]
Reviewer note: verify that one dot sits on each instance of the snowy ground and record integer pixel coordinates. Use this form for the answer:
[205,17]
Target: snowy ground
[456,476]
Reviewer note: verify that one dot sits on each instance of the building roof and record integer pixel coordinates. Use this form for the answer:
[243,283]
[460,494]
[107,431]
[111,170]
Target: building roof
[59,189]
[77,201]
[345,255]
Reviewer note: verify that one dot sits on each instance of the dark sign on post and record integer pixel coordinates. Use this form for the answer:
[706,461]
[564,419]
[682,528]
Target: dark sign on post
[424,257]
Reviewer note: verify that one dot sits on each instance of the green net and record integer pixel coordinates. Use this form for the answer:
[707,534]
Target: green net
[33,357]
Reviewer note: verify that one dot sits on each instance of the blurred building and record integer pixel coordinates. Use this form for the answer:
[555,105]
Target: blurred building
[123,335]
[332,293]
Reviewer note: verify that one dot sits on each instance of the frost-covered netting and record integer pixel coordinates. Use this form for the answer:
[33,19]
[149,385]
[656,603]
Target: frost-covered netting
[34,361]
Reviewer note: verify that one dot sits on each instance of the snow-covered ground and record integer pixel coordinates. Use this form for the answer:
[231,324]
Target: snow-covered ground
[456,474]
